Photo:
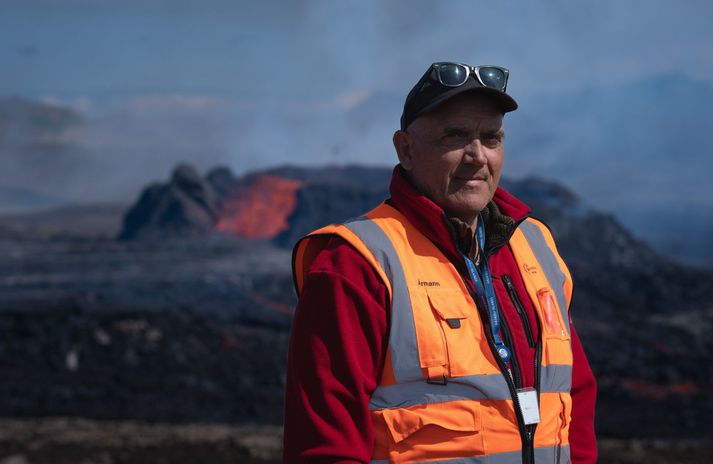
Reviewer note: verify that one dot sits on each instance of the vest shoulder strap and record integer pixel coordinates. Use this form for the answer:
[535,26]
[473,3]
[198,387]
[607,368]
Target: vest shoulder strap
[307,248]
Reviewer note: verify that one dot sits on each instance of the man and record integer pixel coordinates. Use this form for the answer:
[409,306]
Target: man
[436,327]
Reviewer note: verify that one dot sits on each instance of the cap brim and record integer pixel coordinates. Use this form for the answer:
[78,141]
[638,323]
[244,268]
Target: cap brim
[506,102]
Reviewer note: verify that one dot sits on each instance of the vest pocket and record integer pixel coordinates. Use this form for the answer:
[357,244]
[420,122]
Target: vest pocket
[457,319]
[432,431]
[553,324]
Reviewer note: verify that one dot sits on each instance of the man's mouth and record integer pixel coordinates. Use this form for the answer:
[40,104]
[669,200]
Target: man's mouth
[471,180]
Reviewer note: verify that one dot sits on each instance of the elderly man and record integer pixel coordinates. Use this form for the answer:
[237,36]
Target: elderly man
[436,327]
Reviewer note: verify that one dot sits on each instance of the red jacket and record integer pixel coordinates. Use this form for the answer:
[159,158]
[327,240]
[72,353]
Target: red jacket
[339,341]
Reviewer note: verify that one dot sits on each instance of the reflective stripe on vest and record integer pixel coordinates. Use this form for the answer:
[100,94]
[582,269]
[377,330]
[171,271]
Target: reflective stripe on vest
[436,333]
[404,352]
[548,454]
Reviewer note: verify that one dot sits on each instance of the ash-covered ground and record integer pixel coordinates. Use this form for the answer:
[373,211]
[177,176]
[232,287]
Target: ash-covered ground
[172,331]
[74,441]
[169,351]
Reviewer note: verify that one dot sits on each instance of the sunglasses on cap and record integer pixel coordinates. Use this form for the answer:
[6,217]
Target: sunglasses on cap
[445,80]
[456,74]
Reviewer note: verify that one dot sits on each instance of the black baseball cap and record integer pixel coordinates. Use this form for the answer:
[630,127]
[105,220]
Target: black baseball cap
[430,91]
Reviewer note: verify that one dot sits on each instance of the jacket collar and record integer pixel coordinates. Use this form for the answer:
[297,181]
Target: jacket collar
[501,216]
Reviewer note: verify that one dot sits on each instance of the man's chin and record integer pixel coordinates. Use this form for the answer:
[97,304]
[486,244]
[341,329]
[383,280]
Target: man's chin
[471,204]
[466,212]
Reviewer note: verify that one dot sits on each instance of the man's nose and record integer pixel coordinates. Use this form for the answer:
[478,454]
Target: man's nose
[475,153]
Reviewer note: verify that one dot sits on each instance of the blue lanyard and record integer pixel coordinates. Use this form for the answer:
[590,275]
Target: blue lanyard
[486,292]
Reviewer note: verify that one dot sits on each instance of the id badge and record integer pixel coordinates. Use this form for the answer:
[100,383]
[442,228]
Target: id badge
[527,397]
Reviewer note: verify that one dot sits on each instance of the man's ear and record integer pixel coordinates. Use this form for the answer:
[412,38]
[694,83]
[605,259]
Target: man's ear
[402,144]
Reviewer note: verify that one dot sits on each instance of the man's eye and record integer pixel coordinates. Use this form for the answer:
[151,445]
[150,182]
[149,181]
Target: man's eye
[491,139]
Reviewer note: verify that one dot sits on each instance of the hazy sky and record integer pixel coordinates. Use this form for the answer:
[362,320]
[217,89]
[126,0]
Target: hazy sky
[254,84]
[304,51]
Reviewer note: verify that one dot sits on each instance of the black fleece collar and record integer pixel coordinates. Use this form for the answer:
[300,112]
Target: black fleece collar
[498,230]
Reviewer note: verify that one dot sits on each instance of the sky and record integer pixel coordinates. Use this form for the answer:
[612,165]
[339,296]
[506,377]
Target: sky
[321,50]
[255,84]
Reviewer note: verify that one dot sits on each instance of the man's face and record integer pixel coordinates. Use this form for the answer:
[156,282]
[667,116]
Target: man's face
[454,154]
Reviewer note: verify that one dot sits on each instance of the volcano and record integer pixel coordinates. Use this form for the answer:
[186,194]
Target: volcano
[273,205]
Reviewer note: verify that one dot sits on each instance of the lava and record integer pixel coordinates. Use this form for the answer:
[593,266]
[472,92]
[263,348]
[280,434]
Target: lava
[262,210]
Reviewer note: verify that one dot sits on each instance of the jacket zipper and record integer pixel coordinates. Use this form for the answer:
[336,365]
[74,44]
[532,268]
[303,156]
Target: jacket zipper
[518,307]
[514,366]
[524,437]
[516,380]
[533,427]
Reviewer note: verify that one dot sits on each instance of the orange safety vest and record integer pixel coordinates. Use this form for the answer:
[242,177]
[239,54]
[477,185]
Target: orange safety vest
[442,394]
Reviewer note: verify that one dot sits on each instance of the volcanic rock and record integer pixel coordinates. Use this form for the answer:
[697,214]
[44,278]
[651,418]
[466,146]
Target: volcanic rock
[255,206]
[185,207]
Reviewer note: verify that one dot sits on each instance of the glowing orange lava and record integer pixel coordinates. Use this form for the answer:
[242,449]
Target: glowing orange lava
[262,210]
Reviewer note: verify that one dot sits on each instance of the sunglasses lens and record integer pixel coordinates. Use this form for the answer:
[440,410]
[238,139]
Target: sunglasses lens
[493,77]
[452,74]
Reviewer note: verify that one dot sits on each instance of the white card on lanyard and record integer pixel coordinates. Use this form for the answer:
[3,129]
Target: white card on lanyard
[527,397]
